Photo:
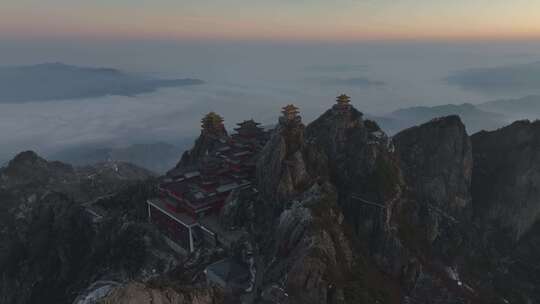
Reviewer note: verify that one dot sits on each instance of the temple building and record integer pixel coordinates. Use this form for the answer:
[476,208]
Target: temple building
[212,124]
[249,129]
[290,115]
[190,198]
[251,134]
[343,103]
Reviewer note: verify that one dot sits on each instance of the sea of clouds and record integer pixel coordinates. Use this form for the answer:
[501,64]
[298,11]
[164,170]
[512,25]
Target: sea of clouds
[243,81]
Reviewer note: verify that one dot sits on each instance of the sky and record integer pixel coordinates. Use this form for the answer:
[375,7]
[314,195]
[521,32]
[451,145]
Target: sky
[289,20]
[256,56]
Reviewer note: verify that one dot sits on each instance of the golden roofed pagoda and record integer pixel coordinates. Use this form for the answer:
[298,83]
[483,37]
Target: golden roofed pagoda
[290,112]
[212,123]
[343,99]
[343,103]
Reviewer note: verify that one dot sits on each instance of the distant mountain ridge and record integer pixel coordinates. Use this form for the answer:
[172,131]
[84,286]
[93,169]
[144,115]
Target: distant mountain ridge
[520,108]
[513,78]
[157,157]
[59,81]
[473,117]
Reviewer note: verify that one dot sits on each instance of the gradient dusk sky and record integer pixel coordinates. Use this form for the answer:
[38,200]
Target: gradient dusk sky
[341,20]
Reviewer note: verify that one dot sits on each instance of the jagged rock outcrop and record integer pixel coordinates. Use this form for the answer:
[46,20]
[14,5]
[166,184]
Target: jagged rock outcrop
[239,209]
[138,293]
[28,168]
[312,255]
[506,176]
[49,247]
[436,162]
[315,259]
[506,201]
[340,214]
[376,196]
[213,135]
[287,165]
[362,166]
[28,176]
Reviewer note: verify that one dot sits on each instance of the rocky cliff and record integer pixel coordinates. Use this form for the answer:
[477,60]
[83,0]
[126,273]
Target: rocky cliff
[407,208]
[344,161]
[506,199]
[287,165]
[28,176]
[341,213]
[364,169]
[50,247]
[213,134]
[436,162]
[311,253]
[506,176]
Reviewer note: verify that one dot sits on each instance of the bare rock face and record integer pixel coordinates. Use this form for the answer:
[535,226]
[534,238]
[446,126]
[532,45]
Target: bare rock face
[436,162]
[361,165]
[506,176]
[239,209]
[286,165]
[138,293]
[312,254]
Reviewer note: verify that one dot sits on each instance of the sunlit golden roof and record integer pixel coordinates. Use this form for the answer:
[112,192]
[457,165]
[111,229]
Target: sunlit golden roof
[343,99]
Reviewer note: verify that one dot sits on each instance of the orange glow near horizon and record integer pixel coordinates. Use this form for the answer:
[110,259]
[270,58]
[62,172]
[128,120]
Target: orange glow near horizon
[426,20]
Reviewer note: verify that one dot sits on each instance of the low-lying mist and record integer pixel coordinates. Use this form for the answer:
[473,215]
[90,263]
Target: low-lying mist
[243,80]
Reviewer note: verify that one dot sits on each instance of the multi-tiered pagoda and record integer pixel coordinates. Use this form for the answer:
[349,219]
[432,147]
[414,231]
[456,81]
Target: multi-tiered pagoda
[212,124]
[343,103]
[250,133]
[249,129]
[290,115]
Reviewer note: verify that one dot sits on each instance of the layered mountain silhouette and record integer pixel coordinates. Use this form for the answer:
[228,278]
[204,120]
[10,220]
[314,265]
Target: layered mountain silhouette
[58,81]
[487,116]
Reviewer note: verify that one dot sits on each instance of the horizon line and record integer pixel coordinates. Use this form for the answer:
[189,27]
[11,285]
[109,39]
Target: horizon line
[127,37]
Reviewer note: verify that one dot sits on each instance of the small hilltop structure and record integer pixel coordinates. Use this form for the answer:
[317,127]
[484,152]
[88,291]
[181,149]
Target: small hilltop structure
[291,115]
[212,125]
[343,104]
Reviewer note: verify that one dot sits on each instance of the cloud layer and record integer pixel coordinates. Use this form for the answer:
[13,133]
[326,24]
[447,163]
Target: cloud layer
[57,81]
[520,77]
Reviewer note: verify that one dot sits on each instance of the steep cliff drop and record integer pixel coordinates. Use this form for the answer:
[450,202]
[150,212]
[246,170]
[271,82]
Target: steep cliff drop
[311,256]
[436,161]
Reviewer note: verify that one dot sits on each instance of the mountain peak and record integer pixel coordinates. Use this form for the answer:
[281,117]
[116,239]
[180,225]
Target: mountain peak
[26,158]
